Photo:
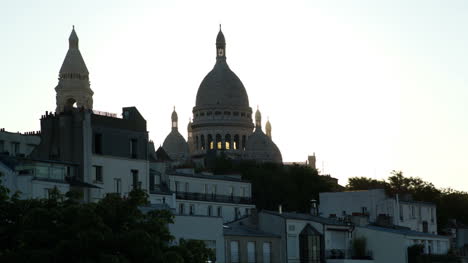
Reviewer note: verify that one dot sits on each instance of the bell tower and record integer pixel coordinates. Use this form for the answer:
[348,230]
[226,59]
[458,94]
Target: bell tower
[73,89]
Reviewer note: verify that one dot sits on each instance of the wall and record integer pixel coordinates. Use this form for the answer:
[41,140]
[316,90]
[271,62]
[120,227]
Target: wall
[276,225]
[200,228]
[197,185]
[352,202]
[275,255]
[115,167]
[385,247]
[422,212]
[26,142]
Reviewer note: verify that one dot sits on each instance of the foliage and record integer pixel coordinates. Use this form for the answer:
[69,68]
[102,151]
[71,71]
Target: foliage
[61,229]
[273,184]
[450,203]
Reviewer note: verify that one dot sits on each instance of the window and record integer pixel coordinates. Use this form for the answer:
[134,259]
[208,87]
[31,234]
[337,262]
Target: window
[243,142]
[235,252]
[192,209]
[401,213]
[181,209]
[425,227]
[16,148]
[266,252]
[432,215]
[151,182]
[413,212]
[219,143]
[220,210]
[236,213]
[235,143]
[210,210]
[202,139]
[227,140]
[205,189]
[213,189]
[231,191]
[210,142]
[135,183]
[118,185]
[251,252]
[246,210]
[98,143]
[97,174]
[364,210]
[187,187]
[133,148]
[177,186]
[292,246]
[2,146]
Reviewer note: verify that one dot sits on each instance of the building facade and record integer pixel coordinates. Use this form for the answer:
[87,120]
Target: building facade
[380,208]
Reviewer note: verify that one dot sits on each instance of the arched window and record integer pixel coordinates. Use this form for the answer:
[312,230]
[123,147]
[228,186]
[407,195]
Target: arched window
[310,245]
[219,143]
[235,143]
[243,142]
[227,141]
[210,141]
[202,140]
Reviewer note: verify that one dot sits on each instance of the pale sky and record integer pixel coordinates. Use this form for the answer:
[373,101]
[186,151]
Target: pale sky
[369,86]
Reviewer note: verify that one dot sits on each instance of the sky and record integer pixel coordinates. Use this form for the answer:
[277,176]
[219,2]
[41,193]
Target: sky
[368,86]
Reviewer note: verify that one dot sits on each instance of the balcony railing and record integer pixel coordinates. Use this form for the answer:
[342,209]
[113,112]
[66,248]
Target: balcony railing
[213,198]
[346,254]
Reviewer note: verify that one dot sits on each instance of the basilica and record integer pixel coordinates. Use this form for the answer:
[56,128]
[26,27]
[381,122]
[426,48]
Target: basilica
[222,121]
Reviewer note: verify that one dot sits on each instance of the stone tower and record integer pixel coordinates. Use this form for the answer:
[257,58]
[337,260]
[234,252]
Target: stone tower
[73,89]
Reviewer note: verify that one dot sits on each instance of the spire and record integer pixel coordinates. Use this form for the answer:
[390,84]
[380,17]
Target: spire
[73,39]
[258,119]
[174,119]
[220,45]
[73,86]
[73,65]
[268,128]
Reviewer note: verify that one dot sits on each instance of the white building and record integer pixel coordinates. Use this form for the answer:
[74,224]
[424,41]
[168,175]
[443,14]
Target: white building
[391,245]
[418,216]
[18,144]
[308,238]
[224,196]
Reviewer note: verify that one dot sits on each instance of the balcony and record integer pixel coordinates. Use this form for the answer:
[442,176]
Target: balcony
[346,255]
[213,198]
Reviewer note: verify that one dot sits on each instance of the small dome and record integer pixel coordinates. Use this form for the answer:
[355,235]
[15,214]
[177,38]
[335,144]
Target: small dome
[261,148]
[268,125]
[176,146]
[189,126]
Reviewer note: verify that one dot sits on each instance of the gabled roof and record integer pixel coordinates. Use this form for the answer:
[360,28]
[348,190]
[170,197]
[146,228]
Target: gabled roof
[238,230]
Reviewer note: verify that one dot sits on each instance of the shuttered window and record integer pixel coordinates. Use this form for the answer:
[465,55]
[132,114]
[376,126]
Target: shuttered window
[235,251]
[251,252]
[266,252]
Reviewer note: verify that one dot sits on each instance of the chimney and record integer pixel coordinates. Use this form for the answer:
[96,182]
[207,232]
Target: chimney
[280,209]
[313,207]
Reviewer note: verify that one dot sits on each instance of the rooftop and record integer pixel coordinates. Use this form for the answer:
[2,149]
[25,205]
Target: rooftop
[308,217]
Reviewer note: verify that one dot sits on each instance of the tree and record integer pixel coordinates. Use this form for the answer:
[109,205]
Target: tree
[61,229]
